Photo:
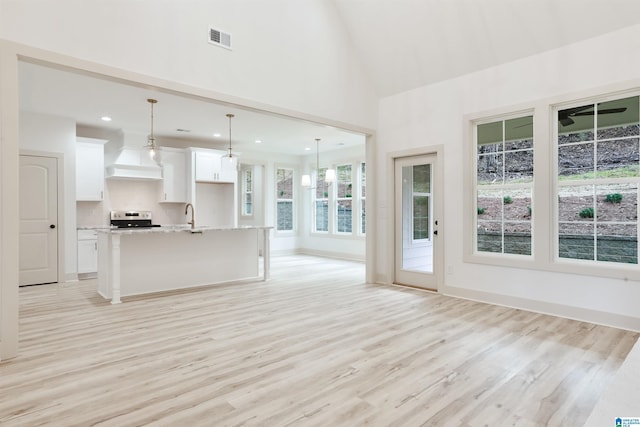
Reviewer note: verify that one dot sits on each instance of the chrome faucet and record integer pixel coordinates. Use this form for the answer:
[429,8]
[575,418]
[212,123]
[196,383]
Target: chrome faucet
[193,220]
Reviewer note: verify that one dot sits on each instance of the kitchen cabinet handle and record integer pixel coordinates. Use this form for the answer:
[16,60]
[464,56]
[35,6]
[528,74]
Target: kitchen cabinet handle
[52,226]
[102,195]
[95,245]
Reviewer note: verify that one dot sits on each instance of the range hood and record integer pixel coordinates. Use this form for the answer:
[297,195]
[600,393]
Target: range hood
[126,158]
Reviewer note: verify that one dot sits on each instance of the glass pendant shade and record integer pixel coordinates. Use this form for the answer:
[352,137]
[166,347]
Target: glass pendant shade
[154,150]
[330,175]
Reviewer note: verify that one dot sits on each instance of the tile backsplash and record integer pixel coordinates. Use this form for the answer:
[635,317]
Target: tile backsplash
[129,195]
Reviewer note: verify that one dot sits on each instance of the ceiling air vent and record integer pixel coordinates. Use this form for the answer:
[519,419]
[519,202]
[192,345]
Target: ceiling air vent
[219,38]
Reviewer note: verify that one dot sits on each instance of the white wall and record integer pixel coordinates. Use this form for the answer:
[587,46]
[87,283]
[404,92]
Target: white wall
[214,205]
[286,53]
[433,115]
[50,134]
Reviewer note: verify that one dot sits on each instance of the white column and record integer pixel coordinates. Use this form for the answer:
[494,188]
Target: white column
[265,253]
[115,268]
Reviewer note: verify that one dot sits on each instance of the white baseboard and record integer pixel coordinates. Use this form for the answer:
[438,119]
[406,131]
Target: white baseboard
[560,310]
[332,254]
[70,277]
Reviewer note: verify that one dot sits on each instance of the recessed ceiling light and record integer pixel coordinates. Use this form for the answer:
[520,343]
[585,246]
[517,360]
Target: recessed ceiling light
[258,141]
[307,148]
[216,135]
[105,118]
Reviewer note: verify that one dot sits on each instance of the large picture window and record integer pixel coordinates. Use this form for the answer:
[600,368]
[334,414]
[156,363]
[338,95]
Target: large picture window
[284,190]
[504,178]
[598,179]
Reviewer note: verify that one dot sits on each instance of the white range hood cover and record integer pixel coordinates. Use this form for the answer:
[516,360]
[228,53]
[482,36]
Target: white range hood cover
[126,158]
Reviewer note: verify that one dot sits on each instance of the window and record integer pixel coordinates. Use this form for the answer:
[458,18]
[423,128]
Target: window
[247,191]
[321,203]
[504,186]
[421,197]
[284,195]
[598,148]
[344,199]
[363,193]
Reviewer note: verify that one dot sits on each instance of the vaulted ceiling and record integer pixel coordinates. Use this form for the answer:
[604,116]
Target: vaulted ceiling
[404,44]
[401,44]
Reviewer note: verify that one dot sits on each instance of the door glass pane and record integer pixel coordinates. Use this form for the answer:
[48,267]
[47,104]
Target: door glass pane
[417,244]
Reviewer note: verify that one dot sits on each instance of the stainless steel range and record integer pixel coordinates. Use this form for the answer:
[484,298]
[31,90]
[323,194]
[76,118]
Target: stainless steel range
[132,219]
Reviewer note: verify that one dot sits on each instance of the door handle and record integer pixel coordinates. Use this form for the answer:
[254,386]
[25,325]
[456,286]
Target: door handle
[52,226]
[435,232]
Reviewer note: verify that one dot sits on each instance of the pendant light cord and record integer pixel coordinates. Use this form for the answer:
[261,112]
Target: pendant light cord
[230,117]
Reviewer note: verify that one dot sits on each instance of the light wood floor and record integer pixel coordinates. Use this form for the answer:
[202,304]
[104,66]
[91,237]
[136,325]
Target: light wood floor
[314,346]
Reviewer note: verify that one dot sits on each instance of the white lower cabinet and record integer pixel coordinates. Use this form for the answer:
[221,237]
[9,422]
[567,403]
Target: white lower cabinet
[87,251]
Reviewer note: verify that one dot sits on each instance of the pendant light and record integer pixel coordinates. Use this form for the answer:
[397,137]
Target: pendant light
[230,116]
[154,150]
[329,176]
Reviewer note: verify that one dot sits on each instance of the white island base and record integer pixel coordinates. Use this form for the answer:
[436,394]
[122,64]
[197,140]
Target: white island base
[134,262]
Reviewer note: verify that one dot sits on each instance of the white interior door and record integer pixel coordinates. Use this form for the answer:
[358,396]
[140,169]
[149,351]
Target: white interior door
[38,220]
[417,248]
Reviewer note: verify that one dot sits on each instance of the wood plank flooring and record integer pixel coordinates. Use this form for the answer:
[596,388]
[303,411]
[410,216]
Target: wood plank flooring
[314,346]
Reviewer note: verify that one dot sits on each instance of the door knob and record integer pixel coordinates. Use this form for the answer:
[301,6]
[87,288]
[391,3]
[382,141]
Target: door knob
[52,226]
[435,232]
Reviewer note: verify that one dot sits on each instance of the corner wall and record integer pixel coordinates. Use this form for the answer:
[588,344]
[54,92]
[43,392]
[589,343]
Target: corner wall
[433,115]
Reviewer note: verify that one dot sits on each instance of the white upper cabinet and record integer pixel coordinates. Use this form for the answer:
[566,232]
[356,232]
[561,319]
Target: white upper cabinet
[89,169]
[211,166]
[207,166]
[174,176]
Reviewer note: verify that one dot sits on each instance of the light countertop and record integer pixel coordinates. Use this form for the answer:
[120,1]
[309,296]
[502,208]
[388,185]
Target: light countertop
[175,229]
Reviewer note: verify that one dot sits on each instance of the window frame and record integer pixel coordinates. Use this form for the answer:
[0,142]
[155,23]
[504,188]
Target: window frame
[592,266]
[315,199]
[504,187]
[429,197]
[544,219]
[278,199]
[338,199]
[244,192]
[470,190]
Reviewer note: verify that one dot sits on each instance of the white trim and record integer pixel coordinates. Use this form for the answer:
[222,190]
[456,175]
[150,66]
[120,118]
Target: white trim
[331,254]
[9,196]
[559,310]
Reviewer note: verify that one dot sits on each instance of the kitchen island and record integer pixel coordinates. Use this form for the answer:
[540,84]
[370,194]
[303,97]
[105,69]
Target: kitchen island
[142,261]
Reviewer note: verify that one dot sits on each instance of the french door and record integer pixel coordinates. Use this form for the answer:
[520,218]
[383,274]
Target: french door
[418,247]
